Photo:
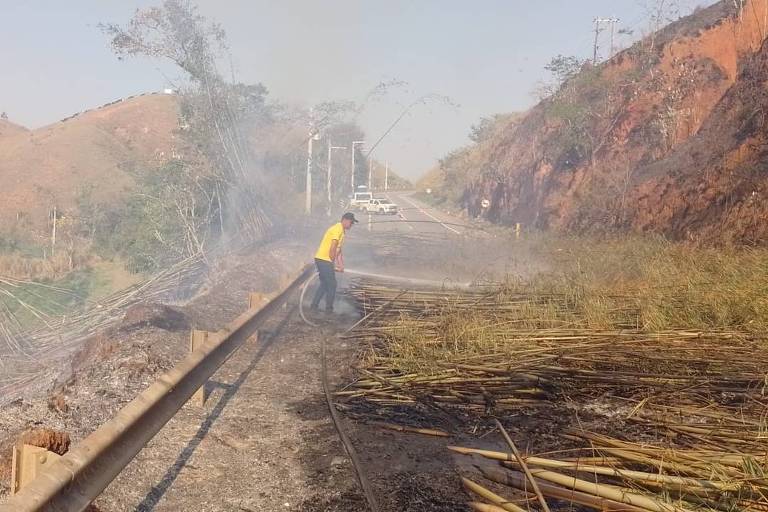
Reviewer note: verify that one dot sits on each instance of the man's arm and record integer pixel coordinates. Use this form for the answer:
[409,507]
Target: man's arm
[334,250]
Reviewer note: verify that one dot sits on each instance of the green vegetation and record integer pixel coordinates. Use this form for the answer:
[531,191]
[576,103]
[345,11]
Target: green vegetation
[172,216]
[576,107]
[28,302]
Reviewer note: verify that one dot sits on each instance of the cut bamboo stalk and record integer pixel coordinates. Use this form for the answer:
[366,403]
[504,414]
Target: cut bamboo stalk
[522,463]
[519,481]
[630,474]
[484,507]
[414,430]
[609,492]
[494,498]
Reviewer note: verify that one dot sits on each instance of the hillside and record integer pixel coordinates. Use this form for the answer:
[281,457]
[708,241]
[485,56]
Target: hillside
[666,137]
[394,180]
[91,152]
[9,129]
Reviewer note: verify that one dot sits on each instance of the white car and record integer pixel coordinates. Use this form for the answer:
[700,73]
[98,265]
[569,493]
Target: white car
[381,206]
[360,200]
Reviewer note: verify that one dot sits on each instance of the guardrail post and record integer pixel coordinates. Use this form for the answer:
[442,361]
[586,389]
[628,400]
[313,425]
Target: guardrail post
[197,338]
[29,461]
[256,299]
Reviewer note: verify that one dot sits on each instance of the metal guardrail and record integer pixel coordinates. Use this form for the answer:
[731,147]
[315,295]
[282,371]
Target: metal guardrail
[80,476]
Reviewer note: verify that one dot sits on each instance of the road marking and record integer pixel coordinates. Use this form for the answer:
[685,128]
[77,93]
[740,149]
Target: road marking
[401,214]
[422,210]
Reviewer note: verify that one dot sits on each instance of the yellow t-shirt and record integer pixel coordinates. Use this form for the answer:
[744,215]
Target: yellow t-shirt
[335,232]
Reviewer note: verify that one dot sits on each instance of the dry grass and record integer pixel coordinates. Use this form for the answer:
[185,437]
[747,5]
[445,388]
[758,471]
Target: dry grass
[646,286]
[21,266]
[669,285]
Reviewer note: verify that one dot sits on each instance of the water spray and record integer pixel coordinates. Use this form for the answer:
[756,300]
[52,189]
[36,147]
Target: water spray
[445,283]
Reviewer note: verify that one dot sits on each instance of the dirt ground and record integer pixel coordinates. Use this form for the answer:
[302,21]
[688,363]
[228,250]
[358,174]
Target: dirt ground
[264,439]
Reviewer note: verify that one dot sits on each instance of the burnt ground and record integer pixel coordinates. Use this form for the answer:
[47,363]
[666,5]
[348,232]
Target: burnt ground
[264,439]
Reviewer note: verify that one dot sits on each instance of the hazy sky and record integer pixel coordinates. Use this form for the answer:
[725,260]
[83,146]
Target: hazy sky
[486,55]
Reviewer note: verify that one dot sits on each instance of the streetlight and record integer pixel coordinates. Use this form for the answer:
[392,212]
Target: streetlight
[354,143]
[370,173]
[314,134]
[330,167]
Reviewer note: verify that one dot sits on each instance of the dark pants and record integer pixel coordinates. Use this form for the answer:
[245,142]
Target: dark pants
[327,288]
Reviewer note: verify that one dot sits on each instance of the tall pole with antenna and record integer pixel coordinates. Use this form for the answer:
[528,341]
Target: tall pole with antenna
[370,174]
[354,143]
[313,136]
[599,28]
[597,22]
[613,22]
[328,185]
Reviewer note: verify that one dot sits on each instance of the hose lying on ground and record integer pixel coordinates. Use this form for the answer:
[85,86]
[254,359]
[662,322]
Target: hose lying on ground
[301,301]
[348,447]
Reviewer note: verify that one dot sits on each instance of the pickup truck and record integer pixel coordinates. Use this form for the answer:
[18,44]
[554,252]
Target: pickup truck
[360,200]
[382,206]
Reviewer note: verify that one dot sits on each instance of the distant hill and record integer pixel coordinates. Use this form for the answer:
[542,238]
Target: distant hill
[394,180]
[9,129]
[94,150]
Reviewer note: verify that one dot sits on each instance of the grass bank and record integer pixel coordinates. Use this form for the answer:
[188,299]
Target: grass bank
[664,285]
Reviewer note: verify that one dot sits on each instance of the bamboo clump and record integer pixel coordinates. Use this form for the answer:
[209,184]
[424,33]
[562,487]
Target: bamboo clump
[696,397]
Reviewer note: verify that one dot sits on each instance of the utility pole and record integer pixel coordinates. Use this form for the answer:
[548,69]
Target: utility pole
[613,22]
[354,143]
[370,174]
[53,233]
[597,35]
[313,136]
[386,176]
[328,187]
[599,28]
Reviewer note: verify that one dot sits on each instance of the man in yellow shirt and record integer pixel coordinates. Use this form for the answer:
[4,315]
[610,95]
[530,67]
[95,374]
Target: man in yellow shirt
[329,260]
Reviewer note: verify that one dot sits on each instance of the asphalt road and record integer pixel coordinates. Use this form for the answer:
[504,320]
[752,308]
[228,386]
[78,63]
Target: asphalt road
[413,216]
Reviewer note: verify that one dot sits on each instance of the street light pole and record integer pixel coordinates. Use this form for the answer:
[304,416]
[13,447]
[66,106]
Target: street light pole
[313,136]
[370,174]
[386,176]
[354,143]
[330,170]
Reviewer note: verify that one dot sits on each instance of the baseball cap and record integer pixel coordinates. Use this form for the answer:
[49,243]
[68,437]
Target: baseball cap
[350,216]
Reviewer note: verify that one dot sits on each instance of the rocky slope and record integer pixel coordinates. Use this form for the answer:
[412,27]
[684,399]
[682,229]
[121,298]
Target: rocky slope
[667,137]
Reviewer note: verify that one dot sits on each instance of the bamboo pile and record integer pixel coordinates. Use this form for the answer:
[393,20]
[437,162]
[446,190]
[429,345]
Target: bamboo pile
[471,352]
[696,399]
[30,360]
[611,474]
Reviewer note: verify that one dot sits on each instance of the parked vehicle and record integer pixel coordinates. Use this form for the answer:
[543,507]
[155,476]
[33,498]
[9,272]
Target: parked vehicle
[360,200]
[381,206]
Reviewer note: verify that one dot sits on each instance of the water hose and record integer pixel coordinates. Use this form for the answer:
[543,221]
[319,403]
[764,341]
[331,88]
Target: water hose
[301,301]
